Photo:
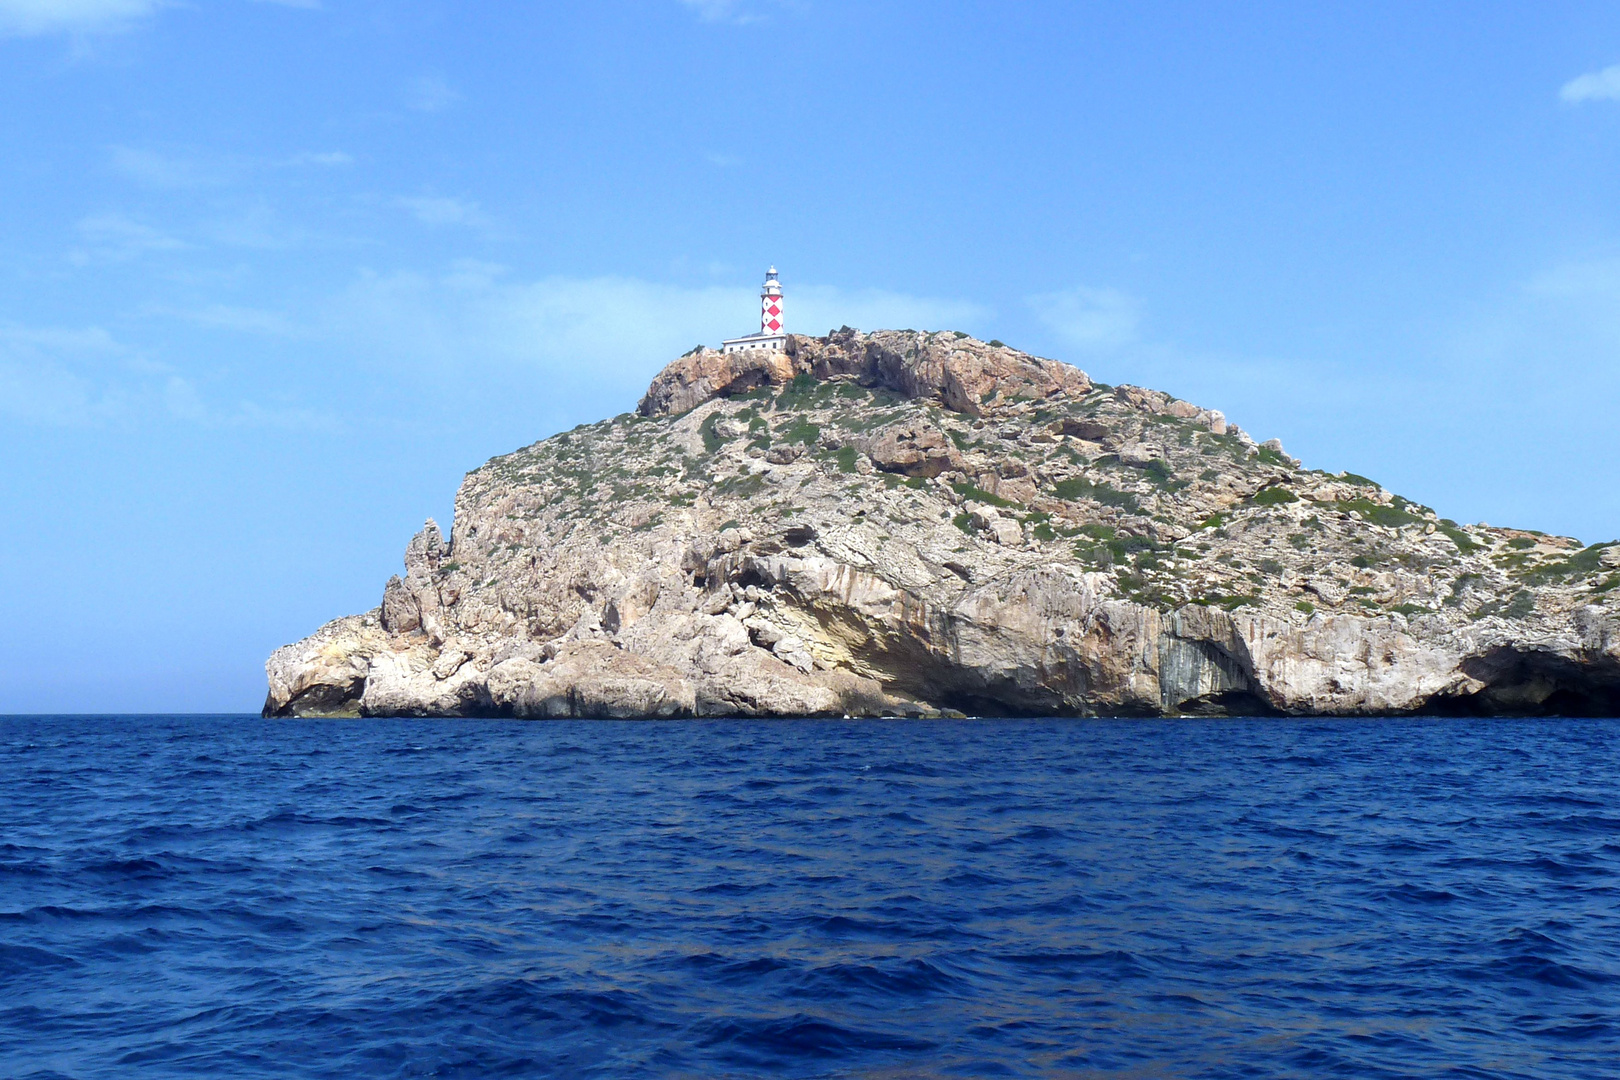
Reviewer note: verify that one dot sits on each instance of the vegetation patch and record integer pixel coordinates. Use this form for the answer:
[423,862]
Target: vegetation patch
[978,494]
[1274,496]
[1465,544]
[1081,488]
[1228,603]
[798,392]
[711,439]
[1521,604]
[742,486]
[1159,475]
[1583,563]
[802,431]
[1391,517]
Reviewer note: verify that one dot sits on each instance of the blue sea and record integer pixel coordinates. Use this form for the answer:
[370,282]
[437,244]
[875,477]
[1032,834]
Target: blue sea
[225,896]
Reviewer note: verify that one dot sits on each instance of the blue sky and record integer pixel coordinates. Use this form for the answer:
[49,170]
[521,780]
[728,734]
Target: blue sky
[277,274]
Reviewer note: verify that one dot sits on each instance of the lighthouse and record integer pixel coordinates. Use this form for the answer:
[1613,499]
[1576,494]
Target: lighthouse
[772,336]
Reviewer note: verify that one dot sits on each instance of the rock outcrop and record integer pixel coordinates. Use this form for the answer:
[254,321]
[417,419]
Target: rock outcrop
[909,524]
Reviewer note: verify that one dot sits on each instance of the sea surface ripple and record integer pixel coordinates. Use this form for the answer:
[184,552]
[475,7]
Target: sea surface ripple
[231,897]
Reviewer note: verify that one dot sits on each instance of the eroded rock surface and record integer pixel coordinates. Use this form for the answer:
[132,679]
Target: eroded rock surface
[901,523]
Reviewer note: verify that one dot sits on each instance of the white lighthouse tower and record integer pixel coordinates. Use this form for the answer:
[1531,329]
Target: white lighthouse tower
[772,336]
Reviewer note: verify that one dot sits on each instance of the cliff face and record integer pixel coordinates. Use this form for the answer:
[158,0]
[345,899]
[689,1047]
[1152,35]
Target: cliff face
[901,523]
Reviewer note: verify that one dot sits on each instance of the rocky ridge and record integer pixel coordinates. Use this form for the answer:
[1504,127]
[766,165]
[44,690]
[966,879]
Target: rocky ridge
[911,524]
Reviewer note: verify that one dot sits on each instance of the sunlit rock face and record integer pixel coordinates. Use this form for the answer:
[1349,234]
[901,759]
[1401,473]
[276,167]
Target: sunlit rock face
[911,524]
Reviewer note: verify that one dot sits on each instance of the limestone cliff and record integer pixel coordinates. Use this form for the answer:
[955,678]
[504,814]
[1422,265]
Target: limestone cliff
[903,523]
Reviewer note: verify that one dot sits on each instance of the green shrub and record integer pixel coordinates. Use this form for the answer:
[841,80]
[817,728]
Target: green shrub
[977,494]
[799,390]
[1520,543]
[1126,546]
[1274,496]
[1465,545]
[1392,517]
[802,431]
[1081,488]
[845,458]
[964,522]
[1306,606]
[711,439]
[744,486]
[994,343]
[1230,603]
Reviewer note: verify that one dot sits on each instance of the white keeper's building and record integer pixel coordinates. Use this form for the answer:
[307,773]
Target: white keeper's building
[772,335]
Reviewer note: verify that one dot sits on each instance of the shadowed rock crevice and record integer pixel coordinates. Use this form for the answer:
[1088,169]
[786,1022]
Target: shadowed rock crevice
[1535,683]
[913,524]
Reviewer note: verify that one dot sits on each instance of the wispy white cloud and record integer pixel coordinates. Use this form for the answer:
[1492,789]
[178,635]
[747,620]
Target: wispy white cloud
[328,158]
[602,337]
[37,383]
[116,238]
[732,11]
[1594,86]
[230,317]
[439,210]
[816,309]
[430,94]
[34,17]
[1086,318]
[712,10]
[86,378]
[259,226]
[168,172]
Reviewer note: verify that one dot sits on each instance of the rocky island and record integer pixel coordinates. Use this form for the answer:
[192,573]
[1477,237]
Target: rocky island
[920,524]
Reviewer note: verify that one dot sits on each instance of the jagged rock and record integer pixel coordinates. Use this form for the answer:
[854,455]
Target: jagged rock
[913,450]
[909,524]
